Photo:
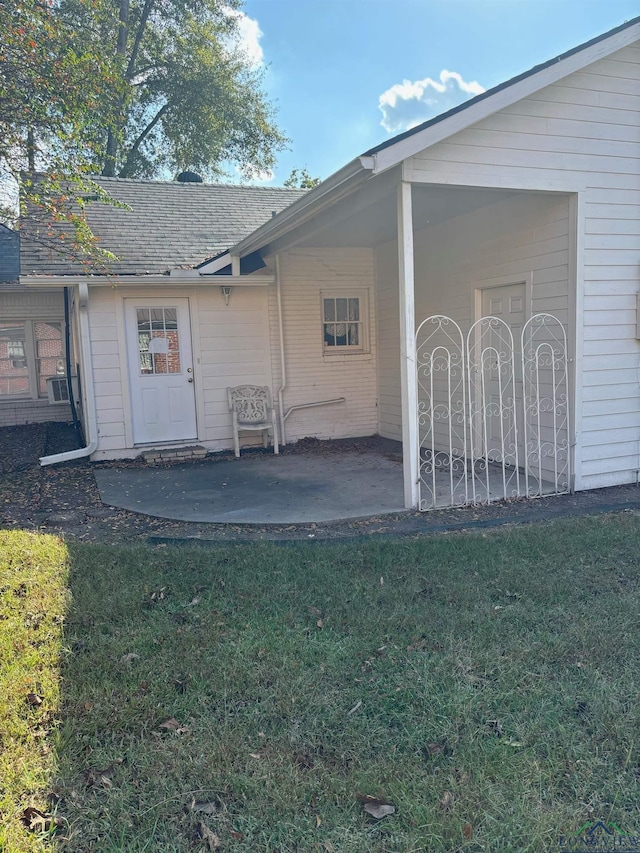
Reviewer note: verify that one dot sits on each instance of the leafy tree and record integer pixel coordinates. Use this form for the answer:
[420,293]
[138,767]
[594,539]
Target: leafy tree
[51,80]
[188,96]
[124,87]
[302,179]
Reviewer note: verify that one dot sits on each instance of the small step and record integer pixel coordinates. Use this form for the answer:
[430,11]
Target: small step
[174,454]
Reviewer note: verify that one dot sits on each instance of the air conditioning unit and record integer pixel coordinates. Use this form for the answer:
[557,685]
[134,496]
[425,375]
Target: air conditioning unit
[58,390]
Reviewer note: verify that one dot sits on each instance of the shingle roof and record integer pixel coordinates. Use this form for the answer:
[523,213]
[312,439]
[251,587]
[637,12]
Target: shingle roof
[169,225]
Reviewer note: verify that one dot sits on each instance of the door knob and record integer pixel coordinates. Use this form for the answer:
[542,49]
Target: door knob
[190,379]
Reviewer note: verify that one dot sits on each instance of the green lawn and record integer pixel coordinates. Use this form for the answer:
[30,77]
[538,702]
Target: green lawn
[486,685]
[33,601]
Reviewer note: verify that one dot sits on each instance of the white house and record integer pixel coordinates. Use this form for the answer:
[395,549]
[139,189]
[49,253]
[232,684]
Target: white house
[522,205]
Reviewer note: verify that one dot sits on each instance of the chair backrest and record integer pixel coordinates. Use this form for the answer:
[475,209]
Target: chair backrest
[251,403]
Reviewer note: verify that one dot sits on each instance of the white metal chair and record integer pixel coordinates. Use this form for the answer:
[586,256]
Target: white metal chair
[252,409]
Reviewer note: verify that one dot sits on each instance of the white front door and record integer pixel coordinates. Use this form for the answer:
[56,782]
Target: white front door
[163,401]
[508,303]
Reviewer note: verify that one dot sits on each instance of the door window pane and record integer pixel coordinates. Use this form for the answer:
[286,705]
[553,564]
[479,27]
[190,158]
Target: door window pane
[158,341]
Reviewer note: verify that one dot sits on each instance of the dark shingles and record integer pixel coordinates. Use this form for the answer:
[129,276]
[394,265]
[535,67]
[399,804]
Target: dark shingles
[168,225]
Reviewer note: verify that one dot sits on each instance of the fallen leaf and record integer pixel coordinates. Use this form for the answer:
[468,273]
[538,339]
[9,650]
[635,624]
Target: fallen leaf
[355,708]
[38,821]
[255,755]
[446,801]
[377,807]
[379,811]
[172,725]
[467,830]
[320,623]
[93,776]
[318,820]
[210,838]
[34,699]
[205,807]
[315,611]
[433,749]
[237,835]
[159,594]
[193,602]
[131,656]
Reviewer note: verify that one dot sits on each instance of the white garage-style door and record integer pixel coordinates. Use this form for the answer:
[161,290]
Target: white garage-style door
[160,370]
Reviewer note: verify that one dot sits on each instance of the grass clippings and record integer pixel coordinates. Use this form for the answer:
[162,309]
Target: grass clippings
[33,601]
[484,687]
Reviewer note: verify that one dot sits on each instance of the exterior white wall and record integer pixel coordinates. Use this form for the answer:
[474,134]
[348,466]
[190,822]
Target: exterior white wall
[313,375]
[231,343]
[582,134]
[21,305]
[388,303]
[523,239]
[230,347]
[239,343]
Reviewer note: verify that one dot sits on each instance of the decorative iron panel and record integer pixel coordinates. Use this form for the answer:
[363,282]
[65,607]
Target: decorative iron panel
[493,424]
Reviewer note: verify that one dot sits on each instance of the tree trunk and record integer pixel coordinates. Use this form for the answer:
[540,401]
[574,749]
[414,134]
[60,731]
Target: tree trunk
[111,153]
[125,172]
[31,150]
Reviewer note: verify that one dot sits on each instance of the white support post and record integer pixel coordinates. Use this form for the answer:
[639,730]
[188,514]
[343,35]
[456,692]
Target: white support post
[577,230]
[408,347]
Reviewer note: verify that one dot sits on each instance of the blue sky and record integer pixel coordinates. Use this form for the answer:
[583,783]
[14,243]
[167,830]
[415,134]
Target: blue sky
[331,64]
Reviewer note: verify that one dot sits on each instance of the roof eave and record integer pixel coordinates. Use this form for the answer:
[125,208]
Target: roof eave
[325,194]
[58,281]
[391,153]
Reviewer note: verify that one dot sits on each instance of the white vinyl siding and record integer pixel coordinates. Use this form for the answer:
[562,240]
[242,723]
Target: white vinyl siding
[109,364]
[233,344]
[230,347]
[312,377]
[387,300]
[582,133]
[524,238]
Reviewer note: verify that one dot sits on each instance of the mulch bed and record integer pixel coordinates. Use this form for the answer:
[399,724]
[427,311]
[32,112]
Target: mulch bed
[64,499]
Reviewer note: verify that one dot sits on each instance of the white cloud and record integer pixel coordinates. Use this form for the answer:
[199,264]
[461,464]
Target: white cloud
[248,37]
[408,104]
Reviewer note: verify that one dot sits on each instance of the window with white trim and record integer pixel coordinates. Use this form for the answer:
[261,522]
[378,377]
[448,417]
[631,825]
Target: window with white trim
[344,322]
[31,352]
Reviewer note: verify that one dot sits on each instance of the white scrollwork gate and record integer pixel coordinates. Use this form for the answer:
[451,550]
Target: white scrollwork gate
[493,423]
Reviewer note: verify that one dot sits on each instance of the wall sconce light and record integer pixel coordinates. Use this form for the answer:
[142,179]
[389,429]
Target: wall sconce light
[226,293]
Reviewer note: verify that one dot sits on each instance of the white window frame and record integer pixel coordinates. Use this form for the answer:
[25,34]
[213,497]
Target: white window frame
[364,347]
[30,356]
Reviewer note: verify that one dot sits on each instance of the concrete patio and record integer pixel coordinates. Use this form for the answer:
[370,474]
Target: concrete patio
[292,488]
